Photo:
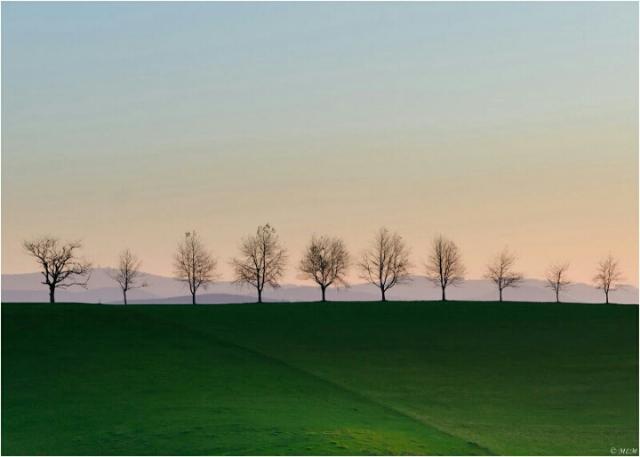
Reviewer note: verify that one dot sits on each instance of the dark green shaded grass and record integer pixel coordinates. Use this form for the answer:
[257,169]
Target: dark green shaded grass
[334,378]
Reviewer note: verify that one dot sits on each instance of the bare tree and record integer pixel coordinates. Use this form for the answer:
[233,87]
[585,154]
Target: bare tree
[262,260]
[557,279]
[500,271]
[444,267]
[59,262]
[325,261]
[608,275]
[386,263]
[128,275]
[193,264]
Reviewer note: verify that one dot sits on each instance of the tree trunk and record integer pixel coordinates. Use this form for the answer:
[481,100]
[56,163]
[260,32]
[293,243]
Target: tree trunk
[52,294]
[606,297]
[384,298]
[193,298]
[324,299]
[500,294]
[557,296]
[124,294]
[444,295]
[259,296]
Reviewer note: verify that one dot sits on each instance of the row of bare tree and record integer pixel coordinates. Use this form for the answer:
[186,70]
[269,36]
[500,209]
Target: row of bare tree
[325,261]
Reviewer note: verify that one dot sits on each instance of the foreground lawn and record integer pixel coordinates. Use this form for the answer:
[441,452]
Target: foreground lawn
[334,378]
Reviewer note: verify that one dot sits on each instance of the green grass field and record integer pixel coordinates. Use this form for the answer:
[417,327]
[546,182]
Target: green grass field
[334,378]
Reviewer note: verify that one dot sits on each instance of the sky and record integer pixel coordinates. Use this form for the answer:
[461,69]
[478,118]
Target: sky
[495,124]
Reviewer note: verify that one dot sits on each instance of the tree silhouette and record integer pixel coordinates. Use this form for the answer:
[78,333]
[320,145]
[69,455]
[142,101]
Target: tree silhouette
[193,264]
[557,279]
[325,261]
[128,274]
[262,260]
[444,267]
[60,266]
[608,275]
[500,271]
[386,263]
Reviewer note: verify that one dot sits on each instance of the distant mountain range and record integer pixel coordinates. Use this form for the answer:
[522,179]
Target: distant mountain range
[164,290]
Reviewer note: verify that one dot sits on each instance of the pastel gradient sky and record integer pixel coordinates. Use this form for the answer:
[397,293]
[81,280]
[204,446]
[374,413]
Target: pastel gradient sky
[125,125]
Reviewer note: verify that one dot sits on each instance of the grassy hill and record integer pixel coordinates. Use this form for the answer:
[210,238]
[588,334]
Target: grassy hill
[334,378]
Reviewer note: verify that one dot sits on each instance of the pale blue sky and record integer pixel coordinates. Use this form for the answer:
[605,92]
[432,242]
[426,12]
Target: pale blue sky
[496,123]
